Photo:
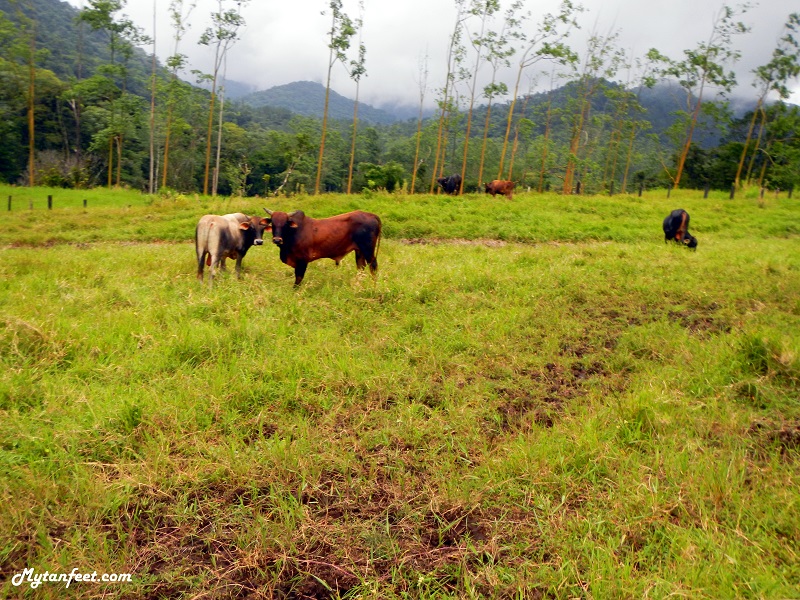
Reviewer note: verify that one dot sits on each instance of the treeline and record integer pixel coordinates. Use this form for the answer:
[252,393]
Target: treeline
[82,104]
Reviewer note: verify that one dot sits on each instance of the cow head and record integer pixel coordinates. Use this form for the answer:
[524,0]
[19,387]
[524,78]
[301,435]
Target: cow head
[284,225]
[690,241]
[254,228]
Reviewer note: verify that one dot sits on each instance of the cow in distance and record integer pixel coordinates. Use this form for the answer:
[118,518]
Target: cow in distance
[228,236]
[676,227]
[500,186]
[450,185]
[303,239]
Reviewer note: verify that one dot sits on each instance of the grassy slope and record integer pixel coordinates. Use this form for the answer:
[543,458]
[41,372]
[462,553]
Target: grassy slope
[571,418]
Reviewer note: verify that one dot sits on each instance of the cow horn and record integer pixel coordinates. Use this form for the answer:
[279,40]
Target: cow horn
[269,212]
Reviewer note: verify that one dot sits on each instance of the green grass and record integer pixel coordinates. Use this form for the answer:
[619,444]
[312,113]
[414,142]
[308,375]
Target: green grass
[536,399]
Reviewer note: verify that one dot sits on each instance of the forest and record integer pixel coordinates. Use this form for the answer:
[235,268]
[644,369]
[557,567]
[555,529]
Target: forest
[84,103]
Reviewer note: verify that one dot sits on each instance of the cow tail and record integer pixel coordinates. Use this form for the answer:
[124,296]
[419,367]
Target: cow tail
[373,266]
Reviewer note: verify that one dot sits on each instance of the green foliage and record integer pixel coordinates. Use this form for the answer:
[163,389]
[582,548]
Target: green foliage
[86,101]
[387,177]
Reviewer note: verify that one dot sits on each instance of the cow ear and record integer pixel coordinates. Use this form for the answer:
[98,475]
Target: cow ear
[295,218]
[245,225]
[266,222]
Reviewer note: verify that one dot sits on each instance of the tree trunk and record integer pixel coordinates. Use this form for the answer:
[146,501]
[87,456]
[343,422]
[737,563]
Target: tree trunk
[761,126]
[215,184]
[416,150]
[628,158]
[484,142]
[508,122]
[545,148]
[688,143]
[31,106]
[152,180]
[209,130]
[516,137]
[119,161]
[110,161]
[166,144]
[742,158]
[577,130]
[353,143]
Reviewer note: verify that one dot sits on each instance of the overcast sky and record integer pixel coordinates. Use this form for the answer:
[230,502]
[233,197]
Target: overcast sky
[286,40]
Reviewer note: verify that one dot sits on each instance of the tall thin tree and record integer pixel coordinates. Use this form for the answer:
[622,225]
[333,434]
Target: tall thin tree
[774,76]
[357,70]
[455,53]
[600,63]
[342,29]
[423,87]
[703,67]
[547,43]
[499,51]
[152,124]
[175,63]
[222,34]
[483,10]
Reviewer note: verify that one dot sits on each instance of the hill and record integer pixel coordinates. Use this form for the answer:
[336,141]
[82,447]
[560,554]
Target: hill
[73,49]
[308,98]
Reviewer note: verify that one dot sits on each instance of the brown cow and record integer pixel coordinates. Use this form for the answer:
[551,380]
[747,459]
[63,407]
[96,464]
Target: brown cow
[302,239]
[500,186]
[230,236]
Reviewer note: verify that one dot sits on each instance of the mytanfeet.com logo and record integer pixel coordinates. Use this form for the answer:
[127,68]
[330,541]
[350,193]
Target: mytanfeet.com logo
[32,579]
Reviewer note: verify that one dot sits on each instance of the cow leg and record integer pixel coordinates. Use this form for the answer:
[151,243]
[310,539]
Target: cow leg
[369,257]
[238,266]
[299,272]
[201,259]
[361,263]
[215,262]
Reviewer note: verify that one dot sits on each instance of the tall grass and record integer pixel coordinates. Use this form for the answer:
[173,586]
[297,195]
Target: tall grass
[536,398]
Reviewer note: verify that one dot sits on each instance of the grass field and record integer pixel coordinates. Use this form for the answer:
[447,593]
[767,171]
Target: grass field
[537,398]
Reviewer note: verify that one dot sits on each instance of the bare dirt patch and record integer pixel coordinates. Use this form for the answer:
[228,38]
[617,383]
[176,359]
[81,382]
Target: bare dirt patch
[452,241]
[783,436]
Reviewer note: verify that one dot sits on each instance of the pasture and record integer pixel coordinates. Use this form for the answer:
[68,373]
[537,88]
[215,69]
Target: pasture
[536,398]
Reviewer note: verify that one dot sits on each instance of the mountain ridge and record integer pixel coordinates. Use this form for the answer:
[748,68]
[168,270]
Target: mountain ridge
[307,98]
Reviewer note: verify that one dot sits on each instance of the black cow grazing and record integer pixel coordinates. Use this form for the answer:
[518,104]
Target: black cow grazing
[451,185]
[676,227]
[229,236]
[302,239]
